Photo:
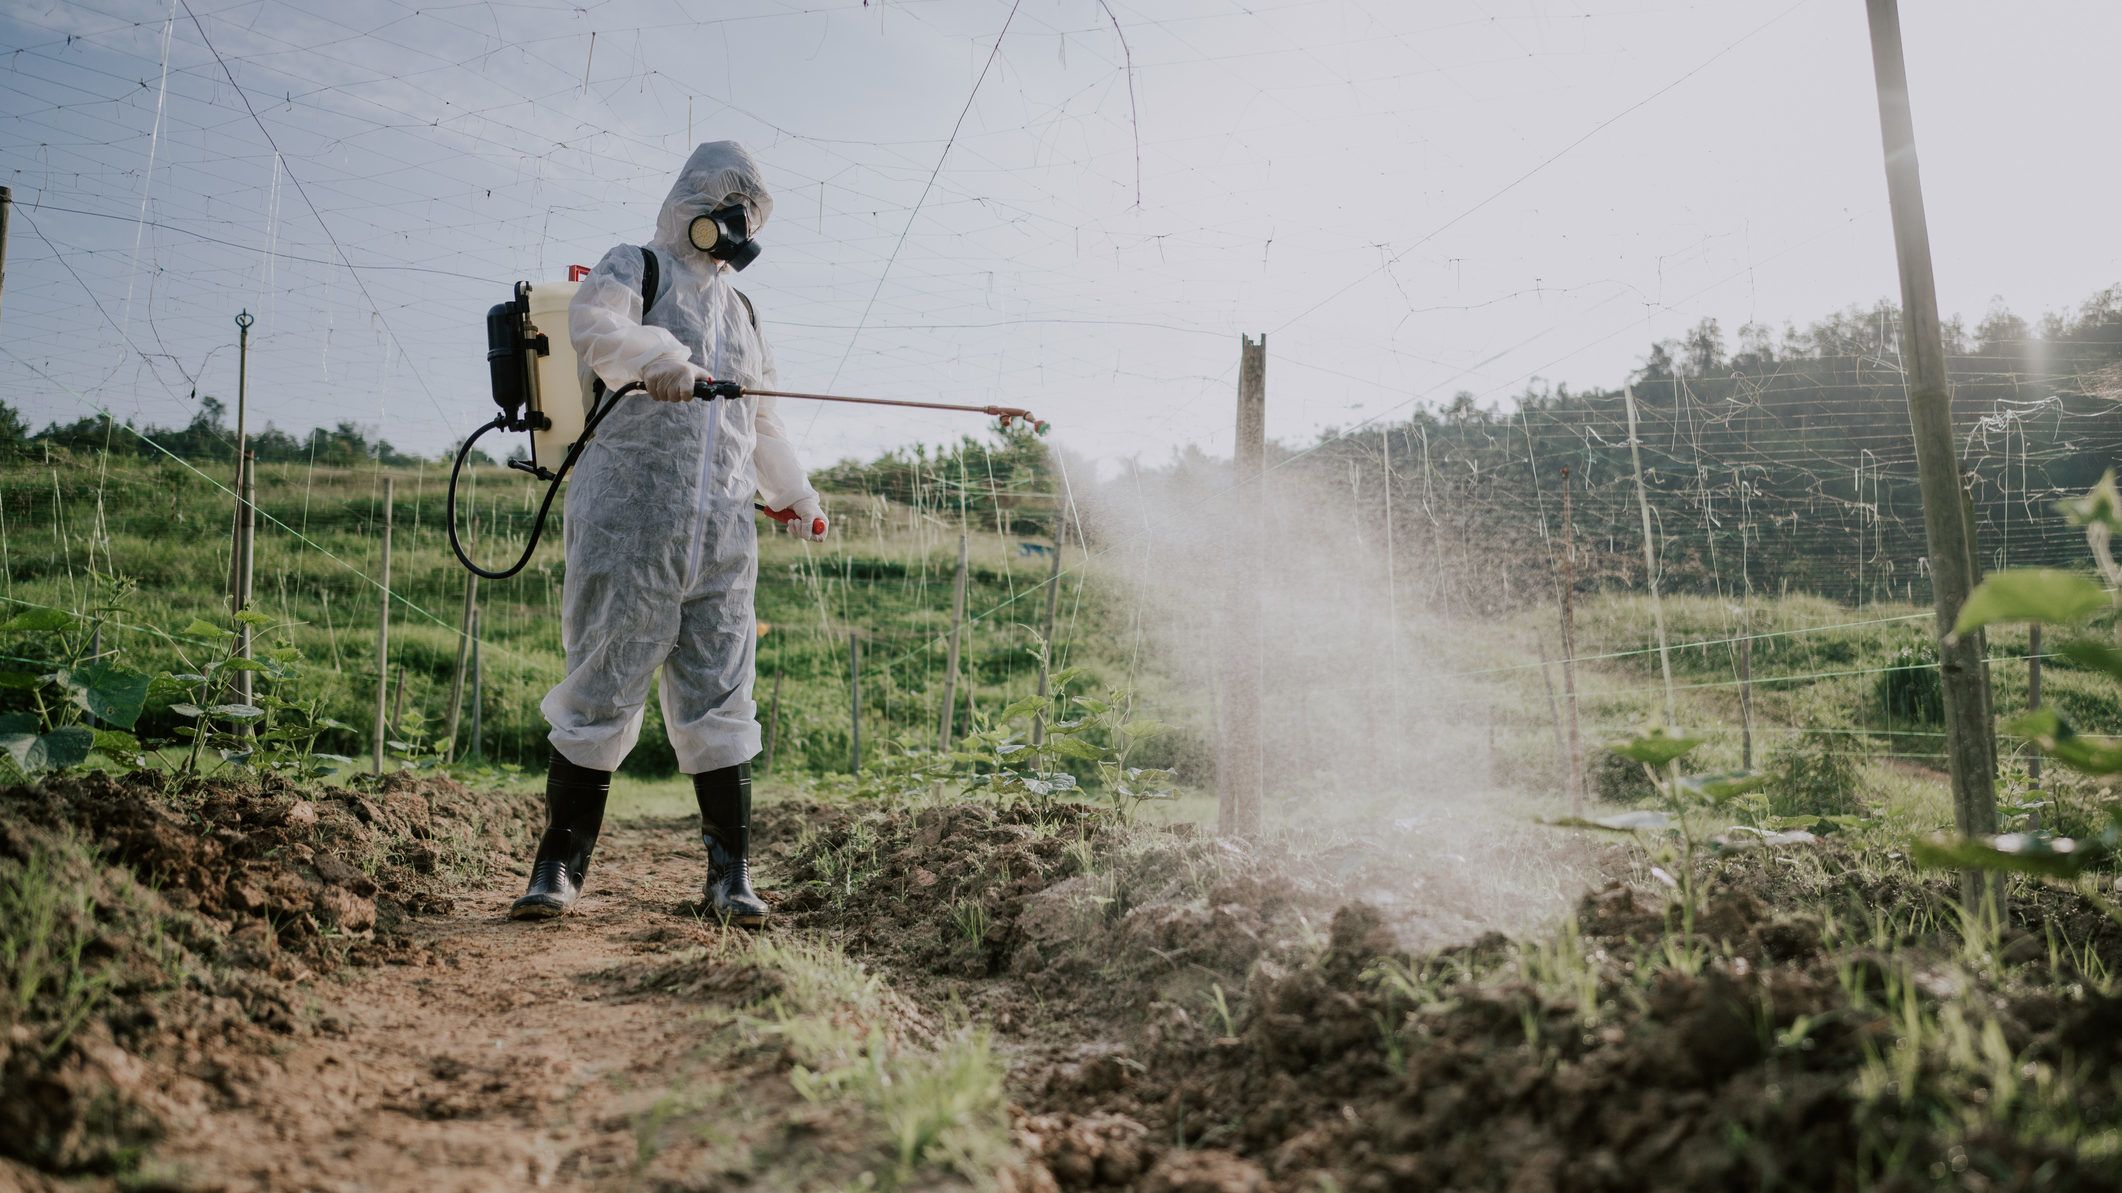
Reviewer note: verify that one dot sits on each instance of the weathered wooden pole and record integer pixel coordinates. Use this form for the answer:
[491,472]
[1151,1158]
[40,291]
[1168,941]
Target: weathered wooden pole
[1238,811]
[1569,650]
[1746,695]
[1937,467]
[464,648]
[854,701]
[773,722]
[2033,695]
[1554,706]
[950,666]
[477,749]
[1650,559]
[1053,607]
[383,623]
[7,204]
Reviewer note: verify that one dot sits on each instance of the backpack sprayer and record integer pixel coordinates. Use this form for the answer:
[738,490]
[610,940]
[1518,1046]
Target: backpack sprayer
[538,389]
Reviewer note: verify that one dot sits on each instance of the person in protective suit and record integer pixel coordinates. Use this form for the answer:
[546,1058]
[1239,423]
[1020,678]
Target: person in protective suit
[662,553]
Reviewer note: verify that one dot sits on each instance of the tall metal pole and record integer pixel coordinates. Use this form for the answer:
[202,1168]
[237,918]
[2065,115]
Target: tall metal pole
[950,667]
[236,595]
[1238,810]
[246,551]
[1650,560]
[383,625]
[1569,649]
[1967,730]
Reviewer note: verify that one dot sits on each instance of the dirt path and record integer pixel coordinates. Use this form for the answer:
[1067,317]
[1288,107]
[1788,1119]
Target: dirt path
[501,1055]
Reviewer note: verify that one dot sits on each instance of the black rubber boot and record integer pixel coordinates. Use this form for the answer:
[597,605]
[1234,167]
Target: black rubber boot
[726,829]
[574,812]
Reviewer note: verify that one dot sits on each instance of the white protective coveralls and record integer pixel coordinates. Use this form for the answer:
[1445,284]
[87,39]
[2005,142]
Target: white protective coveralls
[662,553]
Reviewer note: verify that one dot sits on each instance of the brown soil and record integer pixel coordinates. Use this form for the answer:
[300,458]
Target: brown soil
[1178,1014]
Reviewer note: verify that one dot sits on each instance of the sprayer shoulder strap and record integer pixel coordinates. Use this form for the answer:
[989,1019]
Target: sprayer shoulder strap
[651,279]
[651,283]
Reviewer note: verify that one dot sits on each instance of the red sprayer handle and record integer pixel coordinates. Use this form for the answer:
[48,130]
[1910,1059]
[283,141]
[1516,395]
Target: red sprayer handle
[817,526]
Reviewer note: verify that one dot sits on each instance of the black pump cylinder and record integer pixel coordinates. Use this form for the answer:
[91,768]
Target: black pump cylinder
[506,360]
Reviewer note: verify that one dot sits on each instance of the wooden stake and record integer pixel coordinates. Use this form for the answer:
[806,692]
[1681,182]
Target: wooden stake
[950,666]
[1238,811]
[1746,695]
[1554,706]
[1053,606]
[1967,731]
[773,722]
[464,648]
[474,745]
[854,701]
[2033,694]
[1650,561]
[1569,649]
[383,622]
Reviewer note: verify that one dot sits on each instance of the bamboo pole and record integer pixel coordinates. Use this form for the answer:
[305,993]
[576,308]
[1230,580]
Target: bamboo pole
[464,647]
[1937,459]
[1650,560]
[1569,649]
[383,623]
[854,701]
[950,667]
[1238,811]
[1053,606]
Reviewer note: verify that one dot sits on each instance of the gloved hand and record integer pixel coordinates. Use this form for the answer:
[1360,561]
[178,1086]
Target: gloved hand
[670,378]
[809,523]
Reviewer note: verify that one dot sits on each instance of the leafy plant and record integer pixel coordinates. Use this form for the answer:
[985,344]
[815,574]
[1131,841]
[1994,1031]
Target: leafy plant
[68,695]
[1814,775]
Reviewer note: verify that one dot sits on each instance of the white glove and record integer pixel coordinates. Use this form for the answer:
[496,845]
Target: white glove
[809,523]
[670,378]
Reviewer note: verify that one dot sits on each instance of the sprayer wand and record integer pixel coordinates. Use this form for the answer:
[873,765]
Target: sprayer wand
[1007,414]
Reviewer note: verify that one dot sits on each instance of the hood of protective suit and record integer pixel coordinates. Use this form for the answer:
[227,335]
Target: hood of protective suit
[711,175]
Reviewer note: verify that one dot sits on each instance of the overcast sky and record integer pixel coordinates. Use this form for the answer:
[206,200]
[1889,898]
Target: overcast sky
[1409,198]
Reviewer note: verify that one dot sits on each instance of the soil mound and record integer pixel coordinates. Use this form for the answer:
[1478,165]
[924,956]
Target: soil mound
[155,937]
[1184,1013]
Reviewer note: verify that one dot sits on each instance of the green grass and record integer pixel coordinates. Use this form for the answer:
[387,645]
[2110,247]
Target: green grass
[885,574]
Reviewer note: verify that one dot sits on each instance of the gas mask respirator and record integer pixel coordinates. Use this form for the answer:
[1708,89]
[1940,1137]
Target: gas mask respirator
[725,235]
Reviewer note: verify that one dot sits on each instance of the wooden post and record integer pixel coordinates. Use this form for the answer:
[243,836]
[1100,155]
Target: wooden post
[2033,694]
[1238,810]
[383,622]
[1053,607]
[950,666]
[1569,650]
[773,722]
[7,204]
[473,746]
[1746,695]
[1650,559]
[1392,581]
[464,648]
[1554,706]
[854,701]
[1937,457]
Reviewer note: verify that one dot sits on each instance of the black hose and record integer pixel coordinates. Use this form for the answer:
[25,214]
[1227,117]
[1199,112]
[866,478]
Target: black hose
[552,490]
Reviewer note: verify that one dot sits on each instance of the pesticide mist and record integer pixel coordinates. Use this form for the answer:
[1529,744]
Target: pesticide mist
[1383,761]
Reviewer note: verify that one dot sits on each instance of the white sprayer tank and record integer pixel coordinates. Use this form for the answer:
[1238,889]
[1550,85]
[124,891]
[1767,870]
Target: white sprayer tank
[558,390]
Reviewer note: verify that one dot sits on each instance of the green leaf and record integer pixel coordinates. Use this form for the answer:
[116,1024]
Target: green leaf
[2101,505]
[1074,747]
[187,710]
[2046,595]
[110,692]
[1022,708]
[1656,747]
[56,750]
[2011,853]
[1092,705]
[2046,729]
[14,723]
[1620,822]
[1067,675]
[1722,786]
[39,621]
[206,631]
[236,712]
[1144,730]
[20,681]
[2095,656]
[122,746]
[257,619]
[1742,837]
